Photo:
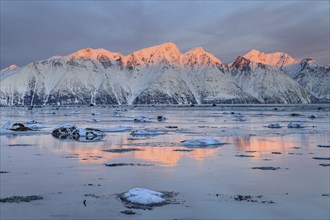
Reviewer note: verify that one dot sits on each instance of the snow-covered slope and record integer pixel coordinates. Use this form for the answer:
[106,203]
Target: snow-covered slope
[160,75]
[313,77]
[8,71]
[267,83]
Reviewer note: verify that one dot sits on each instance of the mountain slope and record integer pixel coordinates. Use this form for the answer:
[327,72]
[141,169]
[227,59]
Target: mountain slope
[163,75]
[267,83]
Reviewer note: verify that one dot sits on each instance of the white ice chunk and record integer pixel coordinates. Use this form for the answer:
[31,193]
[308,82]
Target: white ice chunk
[296,125]
[144,196]
[142,119]
[202,142]
[145,132]
[117,129]
[274,125]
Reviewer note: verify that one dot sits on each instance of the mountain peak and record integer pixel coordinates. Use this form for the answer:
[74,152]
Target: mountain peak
[166,52]
[9,68]
[93,54]
[200,56]
[167,46]
[197,50]
[278,59]
[13,67]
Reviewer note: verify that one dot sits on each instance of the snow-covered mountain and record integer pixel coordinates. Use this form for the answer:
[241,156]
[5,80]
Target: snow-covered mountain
[313,77]
[267,83]
[159,75]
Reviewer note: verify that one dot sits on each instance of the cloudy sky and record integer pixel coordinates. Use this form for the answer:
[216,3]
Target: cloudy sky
[36,30]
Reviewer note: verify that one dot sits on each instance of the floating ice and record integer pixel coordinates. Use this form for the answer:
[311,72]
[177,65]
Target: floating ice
[22,126]
[69,131]
[142,119]
[117,129]
[296,125]
[202,142]
[144,132]
[73,112]
[274,125]
[144,196]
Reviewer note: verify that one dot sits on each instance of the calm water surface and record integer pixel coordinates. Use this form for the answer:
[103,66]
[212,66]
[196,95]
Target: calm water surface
[63,172]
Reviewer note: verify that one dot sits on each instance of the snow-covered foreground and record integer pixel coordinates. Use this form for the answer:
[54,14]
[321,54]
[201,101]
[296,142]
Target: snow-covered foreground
[260,172]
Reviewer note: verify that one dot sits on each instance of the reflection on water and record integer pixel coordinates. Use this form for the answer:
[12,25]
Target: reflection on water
[36,165]
[161,149]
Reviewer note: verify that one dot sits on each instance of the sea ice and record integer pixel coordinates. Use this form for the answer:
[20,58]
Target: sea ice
[274,125]
[79,134]
[296,125]
[117,129]
[144,196]
[142,119]
[145,132]
[202,142]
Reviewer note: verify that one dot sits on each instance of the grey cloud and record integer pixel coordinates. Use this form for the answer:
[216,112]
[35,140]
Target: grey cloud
[37,30]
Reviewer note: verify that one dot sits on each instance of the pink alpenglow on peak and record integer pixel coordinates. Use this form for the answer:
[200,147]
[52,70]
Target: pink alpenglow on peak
[277,59]
[94,54]
[9,68]
[13,67]
[199,56]
[167,52]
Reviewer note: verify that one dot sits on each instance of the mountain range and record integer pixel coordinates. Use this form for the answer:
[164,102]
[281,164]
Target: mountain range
[163,75]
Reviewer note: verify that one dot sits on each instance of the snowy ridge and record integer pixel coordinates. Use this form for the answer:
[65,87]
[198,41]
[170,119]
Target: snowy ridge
[163,75]
[277,59]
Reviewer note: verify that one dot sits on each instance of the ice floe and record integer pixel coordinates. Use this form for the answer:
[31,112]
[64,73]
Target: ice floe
[142,119]
[274,125]
[117,129]
[22,126]
[202,142]
[296,125]
[69,131]
[144,196]
[145,132]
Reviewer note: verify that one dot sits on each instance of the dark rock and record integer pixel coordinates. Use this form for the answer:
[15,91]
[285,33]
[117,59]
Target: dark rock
[321,158]
[325,164]
[4,171]
[122,150]
[171,126]
[128,212]
[295,114]
[266,168]
[276,153]
[19,199]
[92,195]
[20,145]
[244,155]
[323,146]
[128,164]
[161,118]
[183,150]
[19,127]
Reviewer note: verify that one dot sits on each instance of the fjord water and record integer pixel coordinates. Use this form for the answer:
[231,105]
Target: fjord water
[66,172]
